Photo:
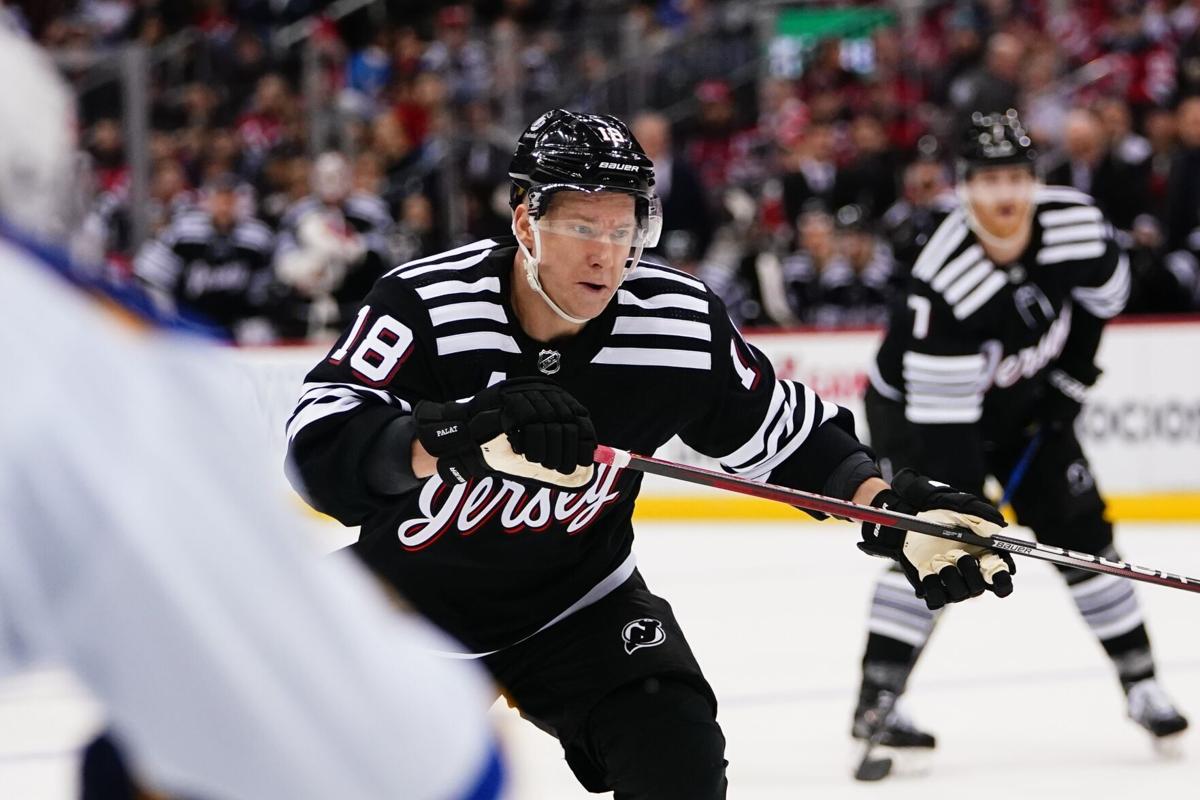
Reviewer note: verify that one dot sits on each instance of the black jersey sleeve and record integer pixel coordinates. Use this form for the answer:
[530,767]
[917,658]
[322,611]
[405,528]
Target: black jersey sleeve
[764,428]
[1080,245]
[378,369]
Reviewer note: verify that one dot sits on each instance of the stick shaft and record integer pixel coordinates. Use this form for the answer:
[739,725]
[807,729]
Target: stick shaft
[893,519]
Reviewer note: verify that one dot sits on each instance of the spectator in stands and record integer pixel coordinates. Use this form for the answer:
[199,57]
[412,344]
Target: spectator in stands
[814,269]
[407,169]
[106,145]
[246,65]
[993,85]
[284,182]
[1126,145]
[927,198]
[868,181]
[711,143]
[462,62]
[1183,212]
[483,152]
[861,296]
[688,222]
[416,229]
[215,263]
[1145,67]
[811,171]
[1183,192]
[1089,165]
[169,194]
[1159,125]
[262,126]
[368,72]
[1044,101]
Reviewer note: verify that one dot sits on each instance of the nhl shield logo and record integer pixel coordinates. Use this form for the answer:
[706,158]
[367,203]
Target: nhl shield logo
[642,633]
[549,361]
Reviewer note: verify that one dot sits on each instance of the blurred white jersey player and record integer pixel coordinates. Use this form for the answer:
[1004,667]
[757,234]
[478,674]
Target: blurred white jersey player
[141,545]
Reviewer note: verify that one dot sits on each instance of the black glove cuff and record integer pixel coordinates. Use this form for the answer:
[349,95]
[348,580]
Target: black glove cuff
[442,428]
[880,540]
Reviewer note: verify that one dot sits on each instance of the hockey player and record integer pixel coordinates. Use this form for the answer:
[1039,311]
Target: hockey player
[214,263]
[456,418]
[142,545]
[996,343]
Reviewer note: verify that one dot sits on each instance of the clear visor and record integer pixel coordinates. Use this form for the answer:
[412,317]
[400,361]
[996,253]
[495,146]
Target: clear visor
[635,226]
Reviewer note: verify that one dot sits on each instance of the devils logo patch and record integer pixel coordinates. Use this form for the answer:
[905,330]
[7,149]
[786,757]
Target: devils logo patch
[642,633]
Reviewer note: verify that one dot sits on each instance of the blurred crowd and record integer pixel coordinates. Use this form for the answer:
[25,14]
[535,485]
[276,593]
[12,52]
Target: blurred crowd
[801,191]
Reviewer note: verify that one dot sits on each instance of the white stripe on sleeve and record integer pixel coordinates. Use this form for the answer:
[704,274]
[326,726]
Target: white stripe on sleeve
[457,312]
[476,340]
[1109,299]
[435,290]
[1073,251]
[986,290]
[663,326]
[1086,232]
[654,357]
[1070,216]
[683,301]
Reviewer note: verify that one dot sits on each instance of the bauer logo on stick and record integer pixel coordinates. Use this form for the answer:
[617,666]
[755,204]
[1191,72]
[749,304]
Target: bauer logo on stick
[642,633]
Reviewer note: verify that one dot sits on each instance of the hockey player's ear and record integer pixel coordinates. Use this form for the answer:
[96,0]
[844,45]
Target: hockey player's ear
[521,226]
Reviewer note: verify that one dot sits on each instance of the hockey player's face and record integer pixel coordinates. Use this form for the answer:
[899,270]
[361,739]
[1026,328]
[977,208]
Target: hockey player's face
[586,240]
[1001,198]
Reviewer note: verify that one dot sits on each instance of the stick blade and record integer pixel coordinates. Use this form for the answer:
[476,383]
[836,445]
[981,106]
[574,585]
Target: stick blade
[873,769]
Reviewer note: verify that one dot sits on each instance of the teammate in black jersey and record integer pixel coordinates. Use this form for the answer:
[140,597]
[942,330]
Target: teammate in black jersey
[456,418]
[995,345]
[214,263]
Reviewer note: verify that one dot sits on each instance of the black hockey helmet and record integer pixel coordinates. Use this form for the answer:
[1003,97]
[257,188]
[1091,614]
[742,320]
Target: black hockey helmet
[994,140]
[563,150]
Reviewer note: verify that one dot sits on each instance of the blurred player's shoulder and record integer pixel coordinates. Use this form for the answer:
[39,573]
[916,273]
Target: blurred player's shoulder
[1061,196]
[254,234]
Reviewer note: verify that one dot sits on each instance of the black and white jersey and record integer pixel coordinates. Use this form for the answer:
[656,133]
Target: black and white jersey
[495,560]
[970,351]
[223,275]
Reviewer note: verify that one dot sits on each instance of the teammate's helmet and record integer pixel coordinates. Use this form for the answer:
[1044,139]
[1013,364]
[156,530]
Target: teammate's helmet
[562,150]
[994,140]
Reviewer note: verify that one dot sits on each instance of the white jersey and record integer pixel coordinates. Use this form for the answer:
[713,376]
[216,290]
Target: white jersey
[142,544]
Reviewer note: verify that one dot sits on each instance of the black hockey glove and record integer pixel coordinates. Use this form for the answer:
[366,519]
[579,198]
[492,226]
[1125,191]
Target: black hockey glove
[1063,399]
[541,420]
[940,570]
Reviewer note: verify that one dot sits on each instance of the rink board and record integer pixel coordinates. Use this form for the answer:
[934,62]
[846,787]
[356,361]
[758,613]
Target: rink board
[1141,428]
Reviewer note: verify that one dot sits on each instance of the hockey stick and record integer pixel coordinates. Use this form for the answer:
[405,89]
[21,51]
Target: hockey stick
[869,767]
[844,509]
[1018,473]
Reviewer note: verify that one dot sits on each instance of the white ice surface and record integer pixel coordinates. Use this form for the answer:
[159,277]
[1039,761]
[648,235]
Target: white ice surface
[1019,693]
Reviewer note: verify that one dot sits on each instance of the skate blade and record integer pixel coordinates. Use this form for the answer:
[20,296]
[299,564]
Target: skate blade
[1169,748]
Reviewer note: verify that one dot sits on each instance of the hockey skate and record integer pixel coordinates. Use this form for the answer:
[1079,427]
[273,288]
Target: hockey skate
[1149,706]
[890,739]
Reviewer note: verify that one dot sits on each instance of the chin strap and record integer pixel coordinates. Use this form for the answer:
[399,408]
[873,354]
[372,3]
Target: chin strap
[986,236]
[531,262]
